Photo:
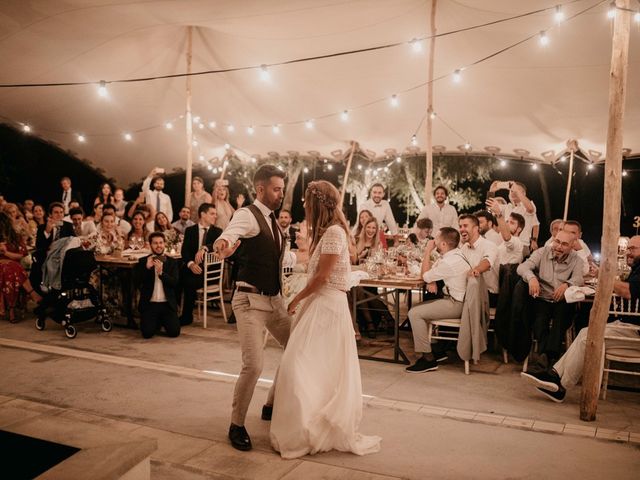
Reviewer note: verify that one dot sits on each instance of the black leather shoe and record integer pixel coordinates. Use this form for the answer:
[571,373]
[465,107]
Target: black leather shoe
[186,321]
[239,438]
[267,411]
[232,318]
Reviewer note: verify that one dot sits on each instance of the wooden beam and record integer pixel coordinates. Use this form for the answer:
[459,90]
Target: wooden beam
[343,190]
[428,182]
[189,121]
[594,352]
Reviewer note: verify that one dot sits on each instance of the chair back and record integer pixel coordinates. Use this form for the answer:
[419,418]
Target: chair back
[213,269]
[621,307]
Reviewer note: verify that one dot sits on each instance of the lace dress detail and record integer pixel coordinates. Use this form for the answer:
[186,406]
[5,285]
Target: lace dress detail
[333,242]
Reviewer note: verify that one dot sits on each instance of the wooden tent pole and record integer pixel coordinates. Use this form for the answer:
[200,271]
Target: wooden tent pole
[188,120]
[594,352]
[568,192]
[428,183]
[343,190]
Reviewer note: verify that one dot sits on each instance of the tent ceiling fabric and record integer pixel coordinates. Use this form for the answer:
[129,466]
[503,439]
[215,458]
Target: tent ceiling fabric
[531,97]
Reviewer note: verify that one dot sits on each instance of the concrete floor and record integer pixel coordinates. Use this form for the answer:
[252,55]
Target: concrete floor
[437,425]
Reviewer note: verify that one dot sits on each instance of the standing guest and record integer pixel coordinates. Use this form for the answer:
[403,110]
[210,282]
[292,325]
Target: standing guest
[198,196]
[54,229]
[81,228]
[566,373]
[157,275]
[122,225]
[554,227]
[13,277]
[119,202]
[198,240]
[138,236]
[510,249]
[380,208]
[520,203]
[363,218]
[154,196]
[441,213]
[68,194]
[549,271]
[37,219]
[224,209]
[480,252]
[284,220]
[487,224]
[184,220]
[452,267]
[105,195]
[28,205]
[257,302]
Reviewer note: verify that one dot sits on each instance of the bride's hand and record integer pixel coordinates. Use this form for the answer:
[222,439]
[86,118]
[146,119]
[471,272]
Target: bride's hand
[291,309]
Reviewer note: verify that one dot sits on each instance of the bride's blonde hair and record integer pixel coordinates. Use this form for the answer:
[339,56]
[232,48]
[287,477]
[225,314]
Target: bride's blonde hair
[322,210]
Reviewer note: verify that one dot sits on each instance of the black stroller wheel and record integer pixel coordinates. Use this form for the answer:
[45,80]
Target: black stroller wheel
[40,323]
[70,331]
[106,325]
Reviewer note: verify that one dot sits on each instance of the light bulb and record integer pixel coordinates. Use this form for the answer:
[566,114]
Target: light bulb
[309,124]
[212,124]
[503,163]
[265,76]
[168,125]
[416,45]
[414,140]
[201,158]
[394,100]
[433,115]
[611,13]
[253,160]
[344,116]
[534,166]
[196,119]
[215,170]
[398,159]
[201,126]
[590,166]
[231,128]
[359,167]
[209,167]
[195,143]
[457,76]
[275,129]
[544,40]
[250,130]
[624,173]
[82,138]
[227,146]
[386,169]
[467,146]
[128,137]
[281,168]
[305,170]
[26,128]
[329,167]
[559,14]
[563,158]
[102,89]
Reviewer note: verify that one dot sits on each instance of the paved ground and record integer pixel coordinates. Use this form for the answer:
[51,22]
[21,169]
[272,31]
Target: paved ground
[437,425]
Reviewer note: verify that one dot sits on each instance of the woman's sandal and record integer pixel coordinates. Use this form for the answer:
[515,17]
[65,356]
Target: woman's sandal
[37,298]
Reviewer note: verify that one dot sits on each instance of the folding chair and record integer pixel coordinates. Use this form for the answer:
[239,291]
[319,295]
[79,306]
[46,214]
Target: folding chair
[213,286]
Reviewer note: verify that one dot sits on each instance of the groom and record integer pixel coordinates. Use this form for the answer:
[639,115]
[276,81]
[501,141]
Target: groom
[257,303]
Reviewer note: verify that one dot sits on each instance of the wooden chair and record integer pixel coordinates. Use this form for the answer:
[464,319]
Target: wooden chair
[212,288]
[621,349]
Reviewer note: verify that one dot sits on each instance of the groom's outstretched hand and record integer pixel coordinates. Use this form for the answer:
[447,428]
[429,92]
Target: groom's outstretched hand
[223,250]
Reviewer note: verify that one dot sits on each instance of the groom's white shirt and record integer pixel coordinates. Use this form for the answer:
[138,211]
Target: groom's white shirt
[243,224]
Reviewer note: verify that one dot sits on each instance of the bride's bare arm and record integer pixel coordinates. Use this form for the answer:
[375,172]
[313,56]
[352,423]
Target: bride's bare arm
[326,264]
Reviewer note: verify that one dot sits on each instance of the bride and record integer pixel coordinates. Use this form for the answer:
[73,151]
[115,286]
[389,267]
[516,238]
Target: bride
[318,394]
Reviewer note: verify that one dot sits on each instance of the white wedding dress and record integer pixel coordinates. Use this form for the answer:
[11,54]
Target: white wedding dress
[318,394]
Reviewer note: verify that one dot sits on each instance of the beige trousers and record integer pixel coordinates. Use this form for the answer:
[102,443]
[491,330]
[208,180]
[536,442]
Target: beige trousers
[255,313]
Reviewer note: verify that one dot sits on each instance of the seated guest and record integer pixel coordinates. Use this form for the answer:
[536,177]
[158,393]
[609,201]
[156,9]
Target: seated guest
[161,223]
[37,219]
[184,220]
[81,227]
[380,208]
[479,252]
[171,236]
[198,240]
[549,271]
[97,214]
[441,213]
[453,268]
[284,219]
[487,224]
[28,205]
[367,242]
[421,233]
[20,225]
[554,227]
[104,195]
[122,225]
[566,372]
[108,237]
[157,275]
[13,276]
[575,228]
[119,202]
[363,218]
[72,204]
[139,235]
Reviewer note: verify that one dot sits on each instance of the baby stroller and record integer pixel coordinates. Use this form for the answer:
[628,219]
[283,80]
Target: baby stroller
[77,300]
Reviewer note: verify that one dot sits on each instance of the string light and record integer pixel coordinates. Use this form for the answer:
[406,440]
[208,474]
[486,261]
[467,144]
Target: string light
[231,128]
[624,173]
[386,169]
[432,115]
[168,125]
[399,159]
[534,166]
[250,130]
[265,76]
[26,128]
[467,146]
[329,167]
[611,13]
[196,119]
[212,124]
[344,116]
[306,170]
[590,166]
[503,163]
[309,124]
[201,158]
[253,160]
[195,143]
[359,167]
[414,140]
[559,14]
[201,126]
[563,158]
[82,138]
[128,137]
[102,89]
[275,129]
[416,45]
[457,76]
[394,100]
[544,40]
[227,146]
[215,171]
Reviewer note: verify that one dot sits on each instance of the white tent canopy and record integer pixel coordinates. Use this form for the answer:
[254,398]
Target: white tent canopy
[529,98]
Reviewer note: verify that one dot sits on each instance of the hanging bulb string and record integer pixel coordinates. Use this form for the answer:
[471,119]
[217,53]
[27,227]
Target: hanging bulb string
[294,61]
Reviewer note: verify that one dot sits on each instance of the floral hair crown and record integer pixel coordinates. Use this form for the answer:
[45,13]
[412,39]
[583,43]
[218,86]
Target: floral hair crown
[322,197]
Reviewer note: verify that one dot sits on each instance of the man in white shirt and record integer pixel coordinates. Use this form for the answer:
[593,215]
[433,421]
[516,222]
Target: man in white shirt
[441,213]
[487,224]
[68,195]
[480,252]
[452,267]
[510,249]
[521,204]
[154,196]
[81,227]
[184,220]
[380,208]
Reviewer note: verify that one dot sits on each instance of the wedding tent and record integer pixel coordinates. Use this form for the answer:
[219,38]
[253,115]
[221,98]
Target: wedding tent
[268,93]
